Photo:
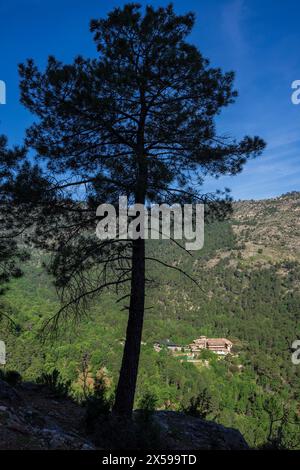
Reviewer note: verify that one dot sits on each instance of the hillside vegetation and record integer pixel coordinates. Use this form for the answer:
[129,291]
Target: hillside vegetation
[249,274]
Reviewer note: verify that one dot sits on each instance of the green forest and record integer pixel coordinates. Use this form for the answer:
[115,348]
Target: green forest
[252,300]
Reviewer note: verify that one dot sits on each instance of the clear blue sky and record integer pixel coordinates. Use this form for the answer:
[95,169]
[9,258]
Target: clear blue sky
[259,39]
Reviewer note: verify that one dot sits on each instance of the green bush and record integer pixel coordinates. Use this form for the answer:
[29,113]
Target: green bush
[147,405]
[12,377]
[55,383]
[200,406]
[97,406]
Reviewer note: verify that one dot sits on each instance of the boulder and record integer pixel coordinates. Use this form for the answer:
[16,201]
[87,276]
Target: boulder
[183,432]
[8,393]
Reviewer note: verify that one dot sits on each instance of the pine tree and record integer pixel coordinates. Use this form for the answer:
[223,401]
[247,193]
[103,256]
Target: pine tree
[10,255]
[138,120]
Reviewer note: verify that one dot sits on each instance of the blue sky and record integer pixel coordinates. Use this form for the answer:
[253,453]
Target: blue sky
[258,39]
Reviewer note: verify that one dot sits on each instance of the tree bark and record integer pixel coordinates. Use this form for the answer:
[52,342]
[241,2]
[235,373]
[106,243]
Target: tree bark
[128,374]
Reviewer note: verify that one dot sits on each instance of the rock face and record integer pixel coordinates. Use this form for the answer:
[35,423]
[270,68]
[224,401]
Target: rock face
[8,393]
[189,433]
[31,418]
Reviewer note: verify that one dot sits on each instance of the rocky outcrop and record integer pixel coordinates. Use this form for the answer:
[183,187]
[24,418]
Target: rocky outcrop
[183,432]
[31,418]
[8,393]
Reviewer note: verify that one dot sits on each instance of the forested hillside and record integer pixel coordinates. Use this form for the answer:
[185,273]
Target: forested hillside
[248,273]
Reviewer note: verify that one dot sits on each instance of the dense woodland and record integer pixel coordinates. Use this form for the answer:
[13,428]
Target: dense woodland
[247,296]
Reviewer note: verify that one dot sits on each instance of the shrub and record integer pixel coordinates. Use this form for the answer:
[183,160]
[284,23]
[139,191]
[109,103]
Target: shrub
[97,406]
[147,405]
[12,377]
[55,383]
[200,406]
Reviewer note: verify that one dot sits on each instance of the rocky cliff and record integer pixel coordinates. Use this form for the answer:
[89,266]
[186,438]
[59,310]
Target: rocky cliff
[32,418]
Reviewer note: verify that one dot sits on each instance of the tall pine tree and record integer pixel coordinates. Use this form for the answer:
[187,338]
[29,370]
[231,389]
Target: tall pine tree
[139,120]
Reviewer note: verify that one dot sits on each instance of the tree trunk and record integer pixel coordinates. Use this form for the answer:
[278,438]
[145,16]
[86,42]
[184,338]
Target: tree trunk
[130,363]
[128,375]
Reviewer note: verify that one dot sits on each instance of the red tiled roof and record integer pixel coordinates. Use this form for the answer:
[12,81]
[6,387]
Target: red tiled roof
[218,341]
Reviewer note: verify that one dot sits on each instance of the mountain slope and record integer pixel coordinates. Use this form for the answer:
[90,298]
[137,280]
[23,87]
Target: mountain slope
[249,273]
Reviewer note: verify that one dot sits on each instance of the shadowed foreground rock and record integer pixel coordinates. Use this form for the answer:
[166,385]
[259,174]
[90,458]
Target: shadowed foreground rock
[31,417]
[188,433]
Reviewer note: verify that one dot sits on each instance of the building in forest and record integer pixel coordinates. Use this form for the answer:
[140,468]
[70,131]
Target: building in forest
[168,344]
[220,346]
